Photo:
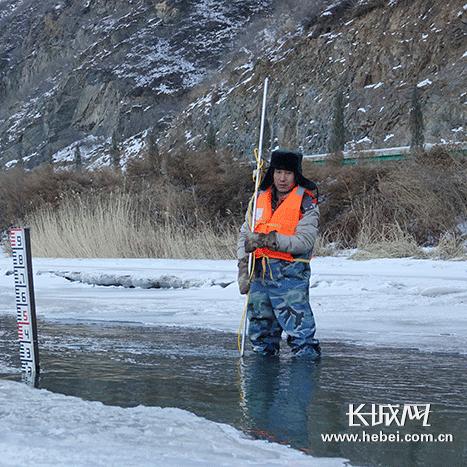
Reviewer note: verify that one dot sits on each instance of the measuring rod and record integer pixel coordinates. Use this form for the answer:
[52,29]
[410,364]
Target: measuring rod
[20,242]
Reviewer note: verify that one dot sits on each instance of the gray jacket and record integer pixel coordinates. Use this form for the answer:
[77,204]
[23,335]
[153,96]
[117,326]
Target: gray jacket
[301,243]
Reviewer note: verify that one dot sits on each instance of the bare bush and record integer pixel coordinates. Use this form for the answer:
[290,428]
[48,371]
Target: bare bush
[345,192]
[422,197]
[23,192]
[429,193]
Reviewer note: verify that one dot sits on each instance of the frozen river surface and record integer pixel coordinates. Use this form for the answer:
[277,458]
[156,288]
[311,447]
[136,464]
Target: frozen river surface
[284,400]
[392,332]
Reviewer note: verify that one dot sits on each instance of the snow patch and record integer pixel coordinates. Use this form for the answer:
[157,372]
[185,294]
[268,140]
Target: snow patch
[374,86]
[150,64]
[133,146]
[438,291]
[129,281]
[425,82]
[11,163]
[364,140]
[87,147]
[83,433]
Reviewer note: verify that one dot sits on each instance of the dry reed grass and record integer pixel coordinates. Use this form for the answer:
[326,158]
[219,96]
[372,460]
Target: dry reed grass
[450,246]
[389,241]
[326,247]
[114,227]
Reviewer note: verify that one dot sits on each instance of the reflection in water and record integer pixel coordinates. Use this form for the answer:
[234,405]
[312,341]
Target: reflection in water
[281,399]
[276,395]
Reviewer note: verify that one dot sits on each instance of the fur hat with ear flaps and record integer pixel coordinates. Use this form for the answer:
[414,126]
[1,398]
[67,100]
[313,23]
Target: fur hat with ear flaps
[287,160]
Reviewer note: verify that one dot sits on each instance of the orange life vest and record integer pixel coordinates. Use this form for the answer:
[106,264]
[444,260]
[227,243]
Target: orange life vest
[283,220]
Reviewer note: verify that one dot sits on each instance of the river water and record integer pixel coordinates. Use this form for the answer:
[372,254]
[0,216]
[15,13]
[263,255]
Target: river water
[281,399]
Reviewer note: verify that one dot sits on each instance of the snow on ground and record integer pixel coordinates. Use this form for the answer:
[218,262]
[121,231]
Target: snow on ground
[62,430]
[395,302]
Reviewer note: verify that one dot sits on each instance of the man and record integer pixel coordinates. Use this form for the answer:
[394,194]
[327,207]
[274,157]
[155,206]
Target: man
[287,218]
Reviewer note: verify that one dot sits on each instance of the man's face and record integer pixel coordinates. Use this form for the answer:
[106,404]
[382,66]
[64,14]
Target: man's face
[284,180]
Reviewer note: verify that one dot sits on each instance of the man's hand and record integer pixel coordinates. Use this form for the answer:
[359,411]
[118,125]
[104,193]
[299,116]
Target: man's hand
[260,240]
[243,276]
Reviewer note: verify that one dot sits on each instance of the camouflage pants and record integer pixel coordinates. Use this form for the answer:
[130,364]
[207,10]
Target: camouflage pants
[279,301]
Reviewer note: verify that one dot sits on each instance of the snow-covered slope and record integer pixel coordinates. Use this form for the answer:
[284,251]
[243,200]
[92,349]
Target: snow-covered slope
[373,53]
[98,68]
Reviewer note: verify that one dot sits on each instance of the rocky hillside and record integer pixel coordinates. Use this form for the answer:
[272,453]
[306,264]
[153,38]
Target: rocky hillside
[77,72]
[372,53]
[188,73]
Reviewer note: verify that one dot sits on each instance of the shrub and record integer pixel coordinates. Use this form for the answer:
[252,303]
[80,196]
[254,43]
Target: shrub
[23,192]
[429,193]
[423,197]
